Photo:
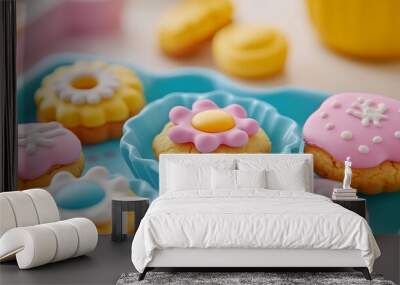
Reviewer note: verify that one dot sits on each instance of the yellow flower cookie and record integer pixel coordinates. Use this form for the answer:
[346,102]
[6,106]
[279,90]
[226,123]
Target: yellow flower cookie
[250,51]
[92,99]
[184,28]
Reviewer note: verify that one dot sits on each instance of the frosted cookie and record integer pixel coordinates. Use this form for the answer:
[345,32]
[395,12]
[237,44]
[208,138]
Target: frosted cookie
[250,51]
[89,196]
[363,126]
[92,99]
[187,26]
[45,149]
[206,128]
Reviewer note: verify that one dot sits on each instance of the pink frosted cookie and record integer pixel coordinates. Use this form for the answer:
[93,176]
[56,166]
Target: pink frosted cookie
[45,149]
[207,128]
[363,126]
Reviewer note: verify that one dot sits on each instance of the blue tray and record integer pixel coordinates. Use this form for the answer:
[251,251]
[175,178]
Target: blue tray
[294,103]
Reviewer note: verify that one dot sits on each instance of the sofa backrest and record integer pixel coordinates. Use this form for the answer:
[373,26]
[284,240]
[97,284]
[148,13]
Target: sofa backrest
[26,208]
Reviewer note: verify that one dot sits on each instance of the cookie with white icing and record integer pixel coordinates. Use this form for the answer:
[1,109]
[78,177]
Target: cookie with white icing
[365,127]
[91,98]
[45,149]
[89,196]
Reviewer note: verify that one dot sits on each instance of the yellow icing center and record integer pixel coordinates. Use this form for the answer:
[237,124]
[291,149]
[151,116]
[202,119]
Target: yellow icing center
[84,82]
[253,38]
[213,121]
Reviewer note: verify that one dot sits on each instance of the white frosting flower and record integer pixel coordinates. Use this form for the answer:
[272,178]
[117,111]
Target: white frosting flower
[96,84]
[368,112]
[32,136]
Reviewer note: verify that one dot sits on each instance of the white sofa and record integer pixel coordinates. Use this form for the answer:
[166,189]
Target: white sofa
[31,231]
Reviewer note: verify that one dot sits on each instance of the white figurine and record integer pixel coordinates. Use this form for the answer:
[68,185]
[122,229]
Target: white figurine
[347,174]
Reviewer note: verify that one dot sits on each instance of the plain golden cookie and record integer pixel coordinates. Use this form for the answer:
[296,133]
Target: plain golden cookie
[187,26]
[382,178]
[250,51]
[258,143]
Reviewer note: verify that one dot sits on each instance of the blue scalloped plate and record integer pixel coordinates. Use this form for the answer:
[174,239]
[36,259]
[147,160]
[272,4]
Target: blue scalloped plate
[294,103]
[139,131]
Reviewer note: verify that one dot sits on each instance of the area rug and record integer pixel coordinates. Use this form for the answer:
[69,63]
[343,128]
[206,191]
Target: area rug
[243,278]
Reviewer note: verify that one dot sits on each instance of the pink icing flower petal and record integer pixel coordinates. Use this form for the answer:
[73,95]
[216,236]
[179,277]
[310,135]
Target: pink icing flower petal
[250,126]
[236,110]
[179,114]
[203,105]
[180,134]
[206,143]
[236,138]
[183,131]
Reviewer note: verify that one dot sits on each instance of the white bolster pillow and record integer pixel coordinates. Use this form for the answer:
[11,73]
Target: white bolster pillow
[40,244]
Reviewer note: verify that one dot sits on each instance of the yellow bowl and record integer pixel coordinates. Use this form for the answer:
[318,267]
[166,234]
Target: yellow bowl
[361,28]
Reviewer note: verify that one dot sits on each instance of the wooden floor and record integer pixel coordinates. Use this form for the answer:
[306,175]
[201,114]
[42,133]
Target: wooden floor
[110,260]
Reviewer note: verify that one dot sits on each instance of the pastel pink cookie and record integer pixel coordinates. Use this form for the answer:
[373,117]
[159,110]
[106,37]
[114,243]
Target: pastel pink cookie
[44,145]
[364,126]
[207,126]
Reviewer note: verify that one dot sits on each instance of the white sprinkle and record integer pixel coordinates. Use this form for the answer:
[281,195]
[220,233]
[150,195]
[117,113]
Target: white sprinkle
[377,139]
[360,99]
[346,135]
[397,134]
[336,104]
[382,107]
[329,126]
[323,115]
[363,148]
[365,122]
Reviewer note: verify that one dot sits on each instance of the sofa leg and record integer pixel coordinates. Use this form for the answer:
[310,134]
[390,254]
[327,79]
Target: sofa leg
[143,274]
[364,271]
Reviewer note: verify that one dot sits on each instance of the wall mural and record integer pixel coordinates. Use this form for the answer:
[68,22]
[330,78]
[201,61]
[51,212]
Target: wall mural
[90,129]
